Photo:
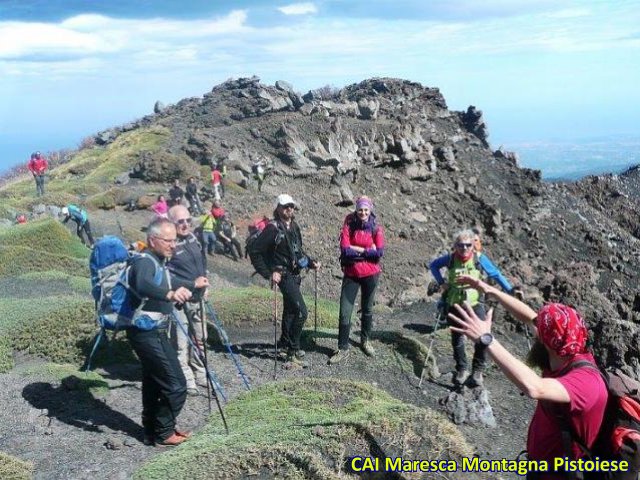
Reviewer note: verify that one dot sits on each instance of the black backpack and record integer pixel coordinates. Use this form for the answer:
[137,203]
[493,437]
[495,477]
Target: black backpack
[619,436]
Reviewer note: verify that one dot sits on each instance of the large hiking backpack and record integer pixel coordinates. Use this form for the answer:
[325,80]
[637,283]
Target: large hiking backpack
[254,229]
[619,436]
[110,263]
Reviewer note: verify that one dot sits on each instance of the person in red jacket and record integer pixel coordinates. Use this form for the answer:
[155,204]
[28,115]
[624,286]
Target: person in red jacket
[38,166]
[362,247]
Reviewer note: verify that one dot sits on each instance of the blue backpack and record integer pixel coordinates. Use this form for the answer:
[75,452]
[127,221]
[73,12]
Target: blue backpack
[110,263]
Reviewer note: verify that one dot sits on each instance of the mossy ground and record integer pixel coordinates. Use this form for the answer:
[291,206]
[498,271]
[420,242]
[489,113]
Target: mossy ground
[308,429]
[12,468]
[83,178]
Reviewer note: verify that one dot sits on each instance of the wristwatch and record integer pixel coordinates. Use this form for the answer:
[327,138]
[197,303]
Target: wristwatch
[485,340]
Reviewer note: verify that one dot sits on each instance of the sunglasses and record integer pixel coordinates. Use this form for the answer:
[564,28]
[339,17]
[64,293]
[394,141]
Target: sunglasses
[288,205]
[464,245]
[184,221]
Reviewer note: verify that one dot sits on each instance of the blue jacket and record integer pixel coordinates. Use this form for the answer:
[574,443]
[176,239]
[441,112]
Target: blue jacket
[77,214]
[483,262]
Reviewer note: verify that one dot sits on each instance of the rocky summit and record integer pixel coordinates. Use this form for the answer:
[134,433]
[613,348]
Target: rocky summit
[430,172]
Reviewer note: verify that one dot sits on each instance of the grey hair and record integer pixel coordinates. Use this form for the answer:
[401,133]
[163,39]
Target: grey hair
[173,211]
[155,227]
[466,233]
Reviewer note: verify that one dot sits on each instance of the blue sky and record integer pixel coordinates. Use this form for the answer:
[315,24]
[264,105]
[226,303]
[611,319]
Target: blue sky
[539,69]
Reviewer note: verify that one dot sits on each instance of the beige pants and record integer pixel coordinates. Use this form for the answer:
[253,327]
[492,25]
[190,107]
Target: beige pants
[189,359]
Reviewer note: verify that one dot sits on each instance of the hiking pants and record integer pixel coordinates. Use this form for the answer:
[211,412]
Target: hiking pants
[350,287]
[209,241]
[86,227]
[194,205]
[457,342]
[233,247]
[39,184]
[294,312]
[164,388]
[189,359]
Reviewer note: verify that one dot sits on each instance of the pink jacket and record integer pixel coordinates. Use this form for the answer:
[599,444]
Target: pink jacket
[367,235]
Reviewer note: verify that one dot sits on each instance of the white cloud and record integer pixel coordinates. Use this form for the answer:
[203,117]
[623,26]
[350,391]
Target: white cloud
[299,9]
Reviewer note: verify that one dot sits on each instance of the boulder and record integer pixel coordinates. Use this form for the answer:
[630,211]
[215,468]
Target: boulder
[159,107]
[470,406]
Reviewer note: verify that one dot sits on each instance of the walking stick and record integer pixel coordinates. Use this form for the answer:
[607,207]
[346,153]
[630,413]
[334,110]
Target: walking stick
[426,358]
[315,301]
[204,346]
[275,329]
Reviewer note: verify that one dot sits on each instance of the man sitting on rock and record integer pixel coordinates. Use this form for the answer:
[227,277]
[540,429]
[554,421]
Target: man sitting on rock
[569,395]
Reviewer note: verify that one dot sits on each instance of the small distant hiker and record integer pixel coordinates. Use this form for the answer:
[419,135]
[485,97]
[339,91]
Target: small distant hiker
[21,218]
[188,267]
[361,247]
[217,210]
[226,233]
[572,395]
[208,227]
[216,182]
[279,257]
[465,261]
[192,197]
[80,217]
[176,194]
[258,170]
[164,389]
[38,167]
[161,207]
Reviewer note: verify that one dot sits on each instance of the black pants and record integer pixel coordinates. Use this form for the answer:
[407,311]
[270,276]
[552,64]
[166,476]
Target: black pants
[350,287]
[457,342]
[294,312]
[233,247]
[86,227]
[164,388]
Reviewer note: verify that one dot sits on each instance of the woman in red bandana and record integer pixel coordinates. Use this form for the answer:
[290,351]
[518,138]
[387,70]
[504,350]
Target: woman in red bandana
[567,394]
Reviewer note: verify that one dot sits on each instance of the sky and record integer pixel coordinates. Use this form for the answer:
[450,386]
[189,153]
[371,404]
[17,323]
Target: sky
[539,69]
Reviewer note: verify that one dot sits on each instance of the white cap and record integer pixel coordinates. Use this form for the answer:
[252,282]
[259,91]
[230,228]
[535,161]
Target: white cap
[284,199]
[64,211]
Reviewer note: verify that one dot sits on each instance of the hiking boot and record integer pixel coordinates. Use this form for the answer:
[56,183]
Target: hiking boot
[460,376]
[299,354]
[148,439]
[475,380]
[368,349]
[338,356]
[294,362]
[172,441]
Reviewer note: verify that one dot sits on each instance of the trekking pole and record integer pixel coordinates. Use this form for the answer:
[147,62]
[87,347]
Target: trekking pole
[429,349]
[213,383]
[225,339]
[99,336]
[210,373]
[315,301]
[275,330]
[204,345]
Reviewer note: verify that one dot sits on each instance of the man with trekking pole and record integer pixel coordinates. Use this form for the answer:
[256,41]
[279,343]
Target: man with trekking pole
[163,384]
[571,393]
[188,268]
[281,258]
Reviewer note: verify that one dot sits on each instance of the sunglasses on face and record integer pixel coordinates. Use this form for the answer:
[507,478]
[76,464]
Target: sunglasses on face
[464,245]
[288,205]
[184,221]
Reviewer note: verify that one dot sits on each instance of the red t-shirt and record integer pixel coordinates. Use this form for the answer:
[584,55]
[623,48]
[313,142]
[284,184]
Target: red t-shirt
[585,411]
[216,177]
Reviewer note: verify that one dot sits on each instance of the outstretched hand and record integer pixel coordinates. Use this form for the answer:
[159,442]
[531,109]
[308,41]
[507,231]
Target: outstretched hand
[473,282]
[468,323]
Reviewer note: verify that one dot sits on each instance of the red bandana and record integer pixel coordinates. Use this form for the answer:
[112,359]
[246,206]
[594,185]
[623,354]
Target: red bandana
[561,329]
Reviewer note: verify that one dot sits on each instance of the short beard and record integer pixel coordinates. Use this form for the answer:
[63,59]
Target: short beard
[538,356]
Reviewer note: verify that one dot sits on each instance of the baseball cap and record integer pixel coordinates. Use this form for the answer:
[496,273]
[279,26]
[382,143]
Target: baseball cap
[285,199]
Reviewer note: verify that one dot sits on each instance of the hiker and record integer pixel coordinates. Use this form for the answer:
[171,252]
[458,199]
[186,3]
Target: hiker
[464,260]
[21,219]
[38,167]
[160,208]
[216,182]
[164,388]
[258,170]
[361,247]
[188,267]
[280,258]
[192,197]
[78,215]
[216,210]
[569,399]
[176,194]
[207,227]
[226,233]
